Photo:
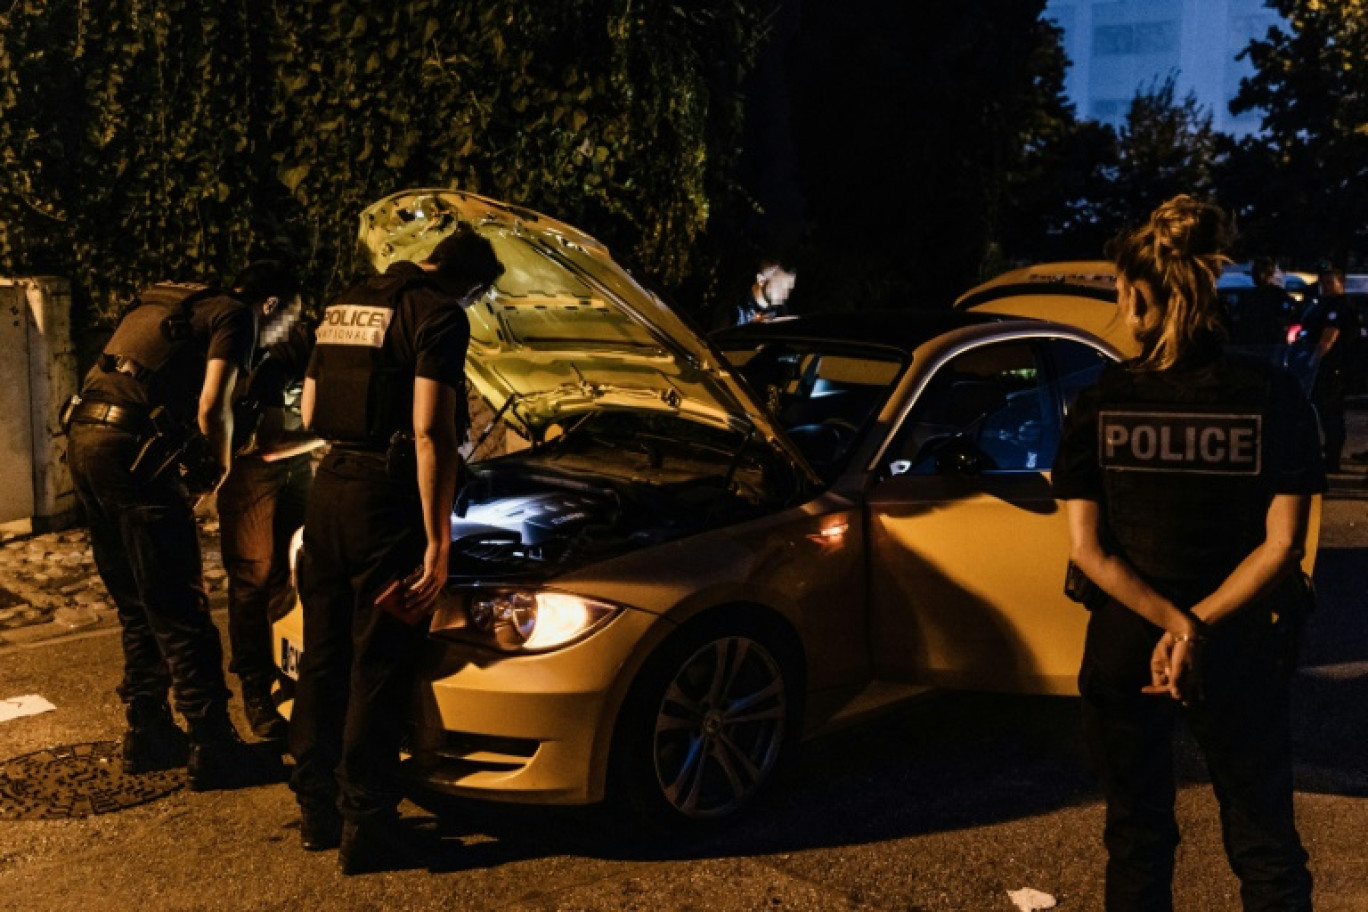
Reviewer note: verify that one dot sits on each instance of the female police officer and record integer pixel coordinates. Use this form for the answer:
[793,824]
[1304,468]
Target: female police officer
[1187,476]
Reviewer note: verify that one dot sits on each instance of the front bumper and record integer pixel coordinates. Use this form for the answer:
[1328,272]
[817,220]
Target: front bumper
[533,728]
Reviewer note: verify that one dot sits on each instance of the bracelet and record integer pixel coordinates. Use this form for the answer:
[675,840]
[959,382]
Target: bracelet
[1189,638]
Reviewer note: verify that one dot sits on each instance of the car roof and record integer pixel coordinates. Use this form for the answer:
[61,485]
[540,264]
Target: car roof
[899,330]
[1092,279]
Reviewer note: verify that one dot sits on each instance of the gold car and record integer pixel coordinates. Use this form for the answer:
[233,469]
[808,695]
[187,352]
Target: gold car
[711,549]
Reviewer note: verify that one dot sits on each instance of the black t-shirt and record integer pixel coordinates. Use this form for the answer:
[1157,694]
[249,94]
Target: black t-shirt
[1198,519]
[220,327]
[280,366]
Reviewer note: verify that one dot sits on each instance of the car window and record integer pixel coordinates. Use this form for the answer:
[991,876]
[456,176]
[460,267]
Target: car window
[992,399]
[1076,367]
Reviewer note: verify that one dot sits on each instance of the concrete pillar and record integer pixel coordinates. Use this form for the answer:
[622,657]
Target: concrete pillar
[37,374]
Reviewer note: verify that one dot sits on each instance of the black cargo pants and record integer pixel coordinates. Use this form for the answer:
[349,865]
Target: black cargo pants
[147,552]
[1242,727]
[363,529]
[260,506]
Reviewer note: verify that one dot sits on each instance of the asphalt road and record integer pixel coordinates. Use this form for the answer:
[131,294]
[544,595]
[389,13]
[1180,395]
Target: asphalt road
[946,805]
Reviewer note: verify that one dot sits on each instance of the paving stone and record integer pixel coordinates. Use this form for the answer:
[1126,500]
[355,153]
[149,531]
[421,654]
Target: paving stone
[75,617]
[14,612]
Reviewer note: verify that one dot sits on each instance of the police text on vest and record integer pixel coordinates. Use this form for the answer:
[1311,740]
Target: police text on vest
[1218,444]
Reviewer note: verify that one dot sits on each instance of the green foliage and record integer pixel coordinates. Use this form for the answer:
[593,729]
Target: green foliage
[1166,147]
[1100,180]
[179,138]
[1310,84]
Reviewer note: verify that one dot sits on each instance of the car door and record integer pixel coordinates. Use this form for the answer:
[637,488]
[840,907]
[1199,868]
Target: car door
[967,545]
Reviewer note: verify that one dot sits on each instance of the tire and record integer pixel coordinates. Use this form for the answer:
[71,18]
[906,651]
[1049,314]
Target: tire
[706,725]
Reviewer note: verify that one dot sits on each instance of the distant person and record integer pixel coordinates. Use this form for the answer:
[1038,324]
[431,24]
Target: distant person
[1332,326]
[767,298]
[1262,317]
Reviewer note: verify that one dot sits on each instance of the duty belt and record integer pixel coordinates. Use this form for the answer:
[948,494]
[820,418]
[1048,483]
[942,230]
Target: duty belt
[123,417]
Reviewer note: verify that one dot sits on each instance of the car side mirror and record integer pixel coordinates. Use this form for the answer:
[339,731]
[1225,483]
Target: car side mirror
[960,456]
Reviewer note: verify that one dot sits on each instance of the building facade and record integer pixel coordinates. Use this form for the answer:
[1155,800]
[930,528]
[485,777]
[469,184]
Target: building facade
[1119,47]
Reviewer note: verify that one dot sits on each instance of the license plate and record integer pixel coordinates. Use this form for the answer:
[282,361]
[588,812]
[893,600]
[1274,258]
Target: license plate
[290,654]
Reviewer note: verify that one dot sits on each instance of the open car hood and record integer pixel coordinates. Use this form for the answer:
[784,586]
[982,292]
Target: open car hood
[566,329]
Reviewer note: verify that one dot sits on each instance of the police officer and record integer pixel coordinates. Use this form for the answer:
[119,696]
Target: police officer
[1187,476]
[1332,323]
[260,505]
[386,386]
[1261,319]
[767,298]
[149,432]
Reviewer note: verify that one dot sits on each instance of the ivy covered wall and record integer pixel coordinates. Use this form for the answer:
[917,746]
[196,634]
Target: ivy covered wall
[148,139]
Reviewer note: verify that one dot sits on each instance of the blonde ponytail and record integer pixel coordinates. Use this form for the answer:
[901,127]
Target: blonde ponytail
[1178,253]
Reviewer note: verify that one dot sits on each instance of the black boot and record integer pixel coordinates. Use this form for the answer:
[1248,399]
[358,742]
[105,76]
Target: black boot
[381,844]
[219,759]
[266,721]
[153,741]
[320,827]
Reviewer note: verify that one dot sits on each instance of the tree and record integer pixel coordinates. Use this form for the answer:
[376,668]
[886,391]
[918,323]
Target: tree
[1310,84]
[1100,180]
[1058,189]
[177,139]
[1165,147]
[910,118]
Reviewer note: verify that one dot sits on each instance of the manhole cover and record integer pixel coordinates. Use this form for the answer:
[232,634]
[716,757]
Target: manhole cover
[77,780]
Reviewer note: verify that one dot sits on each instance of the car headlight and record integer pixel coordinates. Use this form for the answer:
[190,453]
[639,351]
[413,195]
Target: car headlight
[518,620]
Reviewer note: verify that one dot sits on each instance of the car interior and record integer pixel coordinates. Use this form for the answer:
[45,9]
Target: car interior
[822,399]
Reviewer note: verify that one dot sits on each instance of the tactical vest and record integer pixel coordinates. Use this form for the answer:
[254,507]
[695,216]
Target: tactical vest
[362,394]
[156,330]
[1185,467]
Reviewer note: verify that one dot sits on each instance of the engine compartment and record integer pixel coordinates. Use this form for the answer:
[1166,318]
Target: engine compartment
[611,484]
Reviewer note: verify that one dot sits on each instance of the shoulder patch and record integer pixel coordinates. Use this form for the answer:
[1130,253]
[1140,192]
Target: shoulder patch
[354,324]
[1200,443]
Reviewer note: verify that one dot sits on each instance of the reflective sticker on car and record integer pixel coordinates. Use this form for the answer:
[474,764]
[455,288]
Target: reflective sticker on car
[290,654]
[354,324]
[1211,444]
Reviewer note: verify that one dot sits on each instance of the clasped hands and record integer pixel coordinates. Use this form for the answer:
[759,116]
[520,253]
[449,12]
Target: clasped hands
[1175,666]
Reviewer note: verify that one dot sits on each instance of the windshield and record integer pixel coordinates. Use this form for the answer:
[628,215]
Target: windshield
[823,395]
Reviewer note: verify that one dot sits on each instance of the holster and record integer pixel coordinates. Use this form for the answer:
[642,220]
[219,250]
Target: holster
[1080,588]
[173,448]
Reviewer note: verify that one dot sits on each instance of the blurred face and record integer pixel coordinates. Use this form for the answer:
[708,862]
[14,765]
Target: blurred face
[278,319]
[776,284]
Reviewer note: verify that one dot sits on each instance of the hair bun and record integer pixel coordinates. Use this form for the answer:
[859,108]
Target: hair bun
[1186,227]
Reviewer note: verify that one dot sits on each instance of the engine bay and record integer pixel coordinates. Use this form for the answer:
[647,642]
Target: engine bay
[612,483]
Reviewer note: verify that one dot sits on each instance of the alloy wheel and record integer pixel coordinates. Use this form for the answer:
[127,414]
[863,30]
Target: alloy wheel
[720,727]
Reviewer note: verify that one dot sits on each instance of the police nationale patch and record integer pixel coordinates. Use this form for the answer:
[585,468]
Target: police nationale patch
[354,324]
[1212,444]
